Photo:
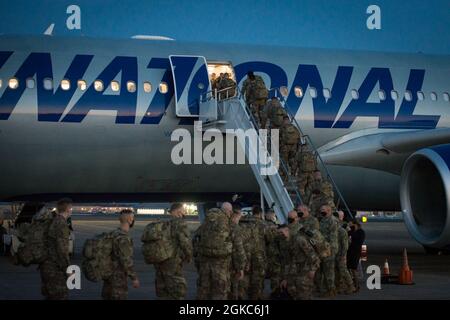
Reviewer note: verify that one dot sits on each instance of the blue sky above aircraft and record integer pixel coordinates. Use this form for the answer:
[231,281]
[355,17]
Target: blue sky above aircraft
[408,26]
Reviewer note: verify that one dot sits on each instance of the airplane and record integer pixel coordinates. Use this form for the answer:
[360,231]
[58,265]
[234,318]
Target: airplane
[92,119]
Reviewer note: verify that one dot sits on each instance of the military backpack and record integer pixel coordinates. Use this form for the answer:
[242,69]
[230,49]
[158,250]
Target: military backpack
[318,241]
[291,135]
[157,241]
[97,261]
[259,88]
[33,237]
[215,235]
[277,116]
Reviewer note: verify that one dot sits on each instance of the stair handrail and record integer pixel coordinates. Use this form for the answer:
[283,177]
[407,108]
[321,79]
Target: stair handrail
[308,138]
[282,163]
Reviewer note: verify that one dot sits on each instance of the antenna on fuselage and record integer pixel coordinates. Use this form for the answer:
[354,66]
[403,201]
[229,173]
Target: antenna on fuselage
[49,31]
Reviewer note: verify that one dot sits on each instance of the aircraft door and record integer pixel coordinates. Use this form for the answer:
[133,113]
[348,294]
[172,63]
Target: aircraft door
[191,81]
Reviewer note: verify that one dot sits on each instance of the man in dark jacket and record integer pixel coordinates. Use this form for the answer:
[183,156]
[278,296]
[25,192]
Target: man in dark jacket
[357,237]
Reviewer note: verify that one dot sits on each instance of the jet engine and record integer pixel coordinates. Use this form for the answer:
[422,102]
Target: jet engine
[425,196]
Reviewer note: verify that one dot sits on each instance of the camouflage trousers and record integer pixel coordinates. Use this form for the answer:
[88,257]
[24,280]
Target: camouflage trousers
[53,278]
[287,154]
[238,290]
[303,179]
[355,277]
[170,282]
[344,282]
[253,282]
[116,287]
[256,108]
[275,276]
[213,279]
[299,285]
[326,276]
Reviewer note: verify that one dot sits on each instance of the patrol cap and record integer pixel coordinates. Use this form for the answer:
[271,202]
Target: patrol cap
[175,206]
[126,211]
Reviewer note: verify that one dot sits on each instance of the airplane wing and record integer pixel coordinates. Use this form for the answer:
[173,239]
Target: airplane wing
[385,151]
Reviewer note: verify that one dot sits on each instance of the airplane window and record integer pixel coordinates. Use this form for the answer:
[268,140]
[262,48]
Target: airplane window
[382,95]
[433,96]
[0,83]
[115,86]
[98,85]
[30,83]
[408,95]
[313,92]
[445,95]
[13,83]
[355,94]
[65,84]
[284,91]
[147,87]
[298,91]
[327,93]
[131,86]
[163,87]
[420,96]
[48,84]
[394,95]
[82,85]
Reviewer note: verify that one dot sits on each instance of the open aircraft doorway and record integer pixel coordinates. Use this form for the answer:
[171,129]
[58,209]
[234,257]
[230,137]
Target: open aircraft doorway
[217,70]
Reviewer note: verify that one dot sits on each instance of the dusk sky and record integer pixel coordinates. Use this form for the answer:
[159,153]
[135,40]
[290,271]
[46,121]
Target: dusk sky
[406,25]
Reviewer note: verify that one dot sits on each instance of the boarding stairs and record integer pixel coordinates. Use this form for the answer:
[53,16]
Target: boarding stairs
[220,111]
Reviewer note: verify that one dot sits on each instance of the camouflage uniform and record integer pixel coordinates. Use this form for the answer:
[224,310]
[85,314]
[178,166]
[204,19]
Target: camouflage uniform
[116,287]
[310,223]
[344,282]
[275,113]
[320,193]
[254,245]
[302,260]
[238,262]
[256,105]
[226,83]
[276,256]
[329,229]
[306,164]
[53,270]
[170,282]
[214,272]
[289,141]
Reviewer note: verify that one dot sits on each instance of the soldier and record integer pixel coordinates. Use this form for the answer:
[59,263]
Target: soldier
[54,269]
[254,244]
[344,282]
[329,229]
[170,281]
[3,232]
[321,193]
[255,94]
[289,142]
[274,111]
[238,260]
[213,81]
[213,252]
[303,261]
[306,219]
[227,82]
[275,253]
[116,287]
[306,165]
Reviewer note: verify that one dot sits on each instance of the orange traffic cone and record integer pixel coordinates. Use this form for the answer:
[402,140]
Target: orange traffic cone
[386,272]
[406,275]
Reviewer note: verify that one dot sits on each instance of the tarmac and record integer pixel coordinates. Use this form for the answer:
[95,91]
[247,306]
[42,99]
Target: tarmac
[383,239]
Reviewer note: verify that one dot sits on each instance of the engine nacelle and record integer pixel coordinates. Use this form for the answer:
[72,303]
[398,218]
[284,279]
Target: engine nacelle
[425,195]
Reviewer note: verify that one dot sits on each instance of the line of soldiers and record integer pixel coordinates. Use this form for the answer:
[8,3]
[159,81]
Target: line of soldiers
[233,255]
[222,82]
